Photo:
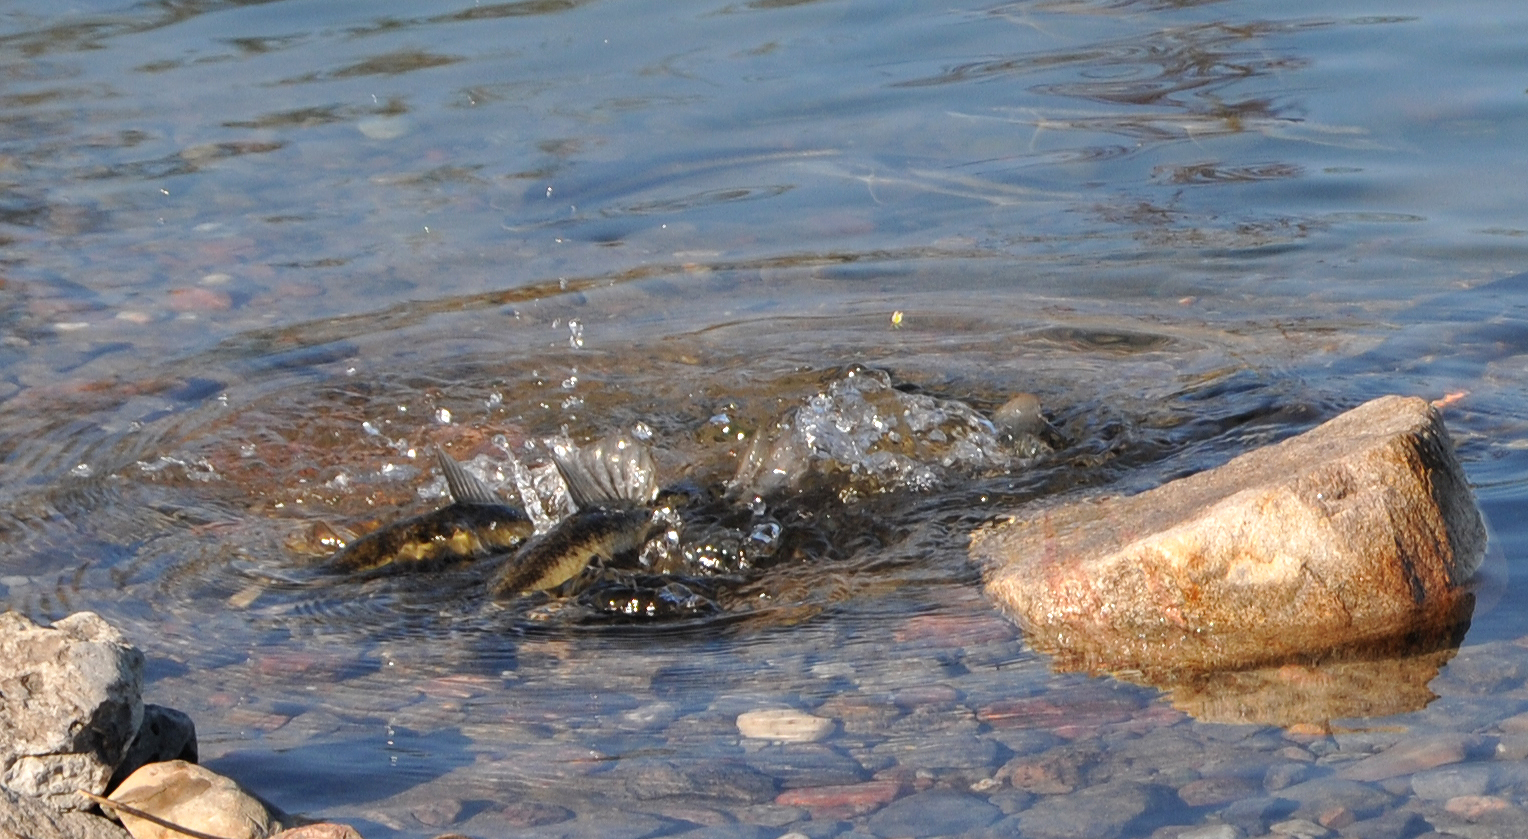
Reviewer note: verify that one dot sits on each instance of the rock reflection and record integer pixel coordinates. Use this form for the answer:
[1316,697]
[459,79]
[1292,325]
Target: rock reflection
[1379,679]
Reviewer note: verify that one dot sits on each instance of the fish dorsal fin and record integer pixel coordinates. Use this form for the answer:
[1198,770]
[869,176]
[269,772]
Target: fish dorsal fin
[464,486]
[616,471]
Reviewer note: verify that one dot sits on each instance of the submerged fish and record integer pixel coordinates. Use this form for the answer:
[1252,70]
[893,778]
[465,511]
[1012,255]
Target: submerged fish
[476,524]
[613,484]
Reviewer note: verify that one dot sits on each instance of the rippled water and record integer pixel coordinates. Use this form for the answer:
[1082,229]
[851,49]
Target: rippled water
[260,257]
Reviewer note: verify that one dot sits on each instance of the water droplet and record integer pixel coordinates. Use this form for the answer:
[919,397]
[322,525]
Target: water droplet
[443,416]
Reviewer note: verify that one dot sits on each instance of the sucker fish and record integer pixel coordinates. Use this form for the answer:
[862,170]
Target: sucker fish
[476,524]
[613,484]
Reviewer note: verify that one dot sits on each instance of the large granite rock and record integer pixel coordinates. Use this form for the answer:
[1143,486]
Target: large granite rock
[1357,533]
[25,817]
[70,704]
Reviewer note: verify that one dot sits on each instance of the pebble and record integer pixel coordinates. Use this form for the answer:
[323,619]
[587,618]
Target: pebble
[937,812]
[1452,782]
[807,765]
[1212,831]
[1104,811]
[784,725]
[1473,807]
[1395,824]
[1322,794]
[532,814]
[322,830]
[1281,775]
[1299,829]
[957,751]
[1410,756]
[1208,792]
[842,801]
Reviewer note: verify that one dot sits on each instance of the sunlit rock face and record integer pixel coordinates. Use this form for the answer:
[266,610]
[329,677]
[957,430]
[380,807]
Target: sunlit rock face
[1359,531]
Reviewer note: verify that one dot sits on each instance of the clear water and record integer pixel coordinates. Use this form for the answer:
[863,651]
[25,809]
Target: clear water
[259,256]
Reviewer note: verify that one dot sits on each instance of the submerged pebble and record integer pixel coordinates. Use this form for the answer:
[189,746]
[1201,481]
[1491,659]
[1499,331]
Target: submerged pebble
[785,725]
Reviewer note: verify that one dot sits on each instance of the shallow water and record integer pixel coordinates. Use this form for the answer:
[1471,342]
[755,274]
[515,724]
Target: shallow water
[259,257]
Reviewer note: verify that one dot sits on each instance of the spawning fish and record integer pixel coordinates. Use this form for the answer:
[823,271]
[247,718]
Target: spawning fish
[477,523]
[613,484]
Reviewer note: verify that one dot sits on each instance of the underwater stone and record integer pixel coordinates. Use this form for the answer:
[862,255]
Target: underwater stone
[783,725]
[1349,536]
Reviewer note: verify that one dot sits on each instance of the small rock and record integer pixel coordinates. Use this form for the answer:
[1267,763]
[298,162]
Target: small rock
[322,830]
[1105,811]
[1299,829]
[954,751]
[653,716]
[1055,772]
[1410,756]
[70,704]
[193,797]
[1452,782]
[783,725]
[1252,815]
[532,814]
[1281,775]
[437,813]
[933,813]
[1321,794]
[807,765]
[1393,824]
[1475,807]
[842,802]
[1208,792]
[1212,831]
[166,734]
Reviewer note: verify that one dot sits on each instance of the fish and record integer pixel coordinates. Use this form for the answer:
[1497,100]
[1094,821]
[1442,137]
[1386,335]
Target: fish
[475,525]
[614,486]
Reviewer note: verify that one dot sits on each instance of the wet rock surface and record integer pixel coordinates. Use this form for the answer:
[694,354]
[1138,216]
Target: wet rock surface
[1356,533]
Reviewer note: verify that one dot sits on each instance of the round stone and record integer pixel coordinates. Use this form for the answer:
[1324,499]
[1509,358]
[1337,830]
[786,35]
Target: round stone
[783,725]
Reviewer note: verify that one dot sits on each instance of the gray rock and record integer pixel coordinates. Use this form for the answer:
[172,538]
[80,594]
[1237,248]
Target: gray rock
[1359,532]
[1451,781]
[807,765]
[1322,794]
[166,734]
[935,812]
[24,817]
[1281,775]
[714,779]
[1394,824]
[1099,812]
[70,703]
[1253,815]
[1212,831]
[951,751]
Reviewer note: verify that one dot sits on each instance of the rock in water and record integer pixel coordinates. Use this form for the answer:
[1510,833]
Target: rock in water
[1355,533]
[166,734]
[193,797]
[70,704]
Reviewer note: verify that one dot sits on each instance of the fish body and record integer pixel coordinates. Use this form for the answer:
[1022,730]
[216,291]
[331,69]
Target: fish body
[476,524]
[563,552]
[614,484]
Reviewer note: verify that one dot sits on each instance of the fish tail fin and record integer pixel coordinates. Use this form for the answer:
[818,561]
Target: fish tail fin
[616,470]
[465,488]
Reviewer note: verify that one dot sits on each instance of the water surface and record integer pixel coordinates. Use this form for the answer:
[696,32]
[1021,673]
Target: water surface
[260,257]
